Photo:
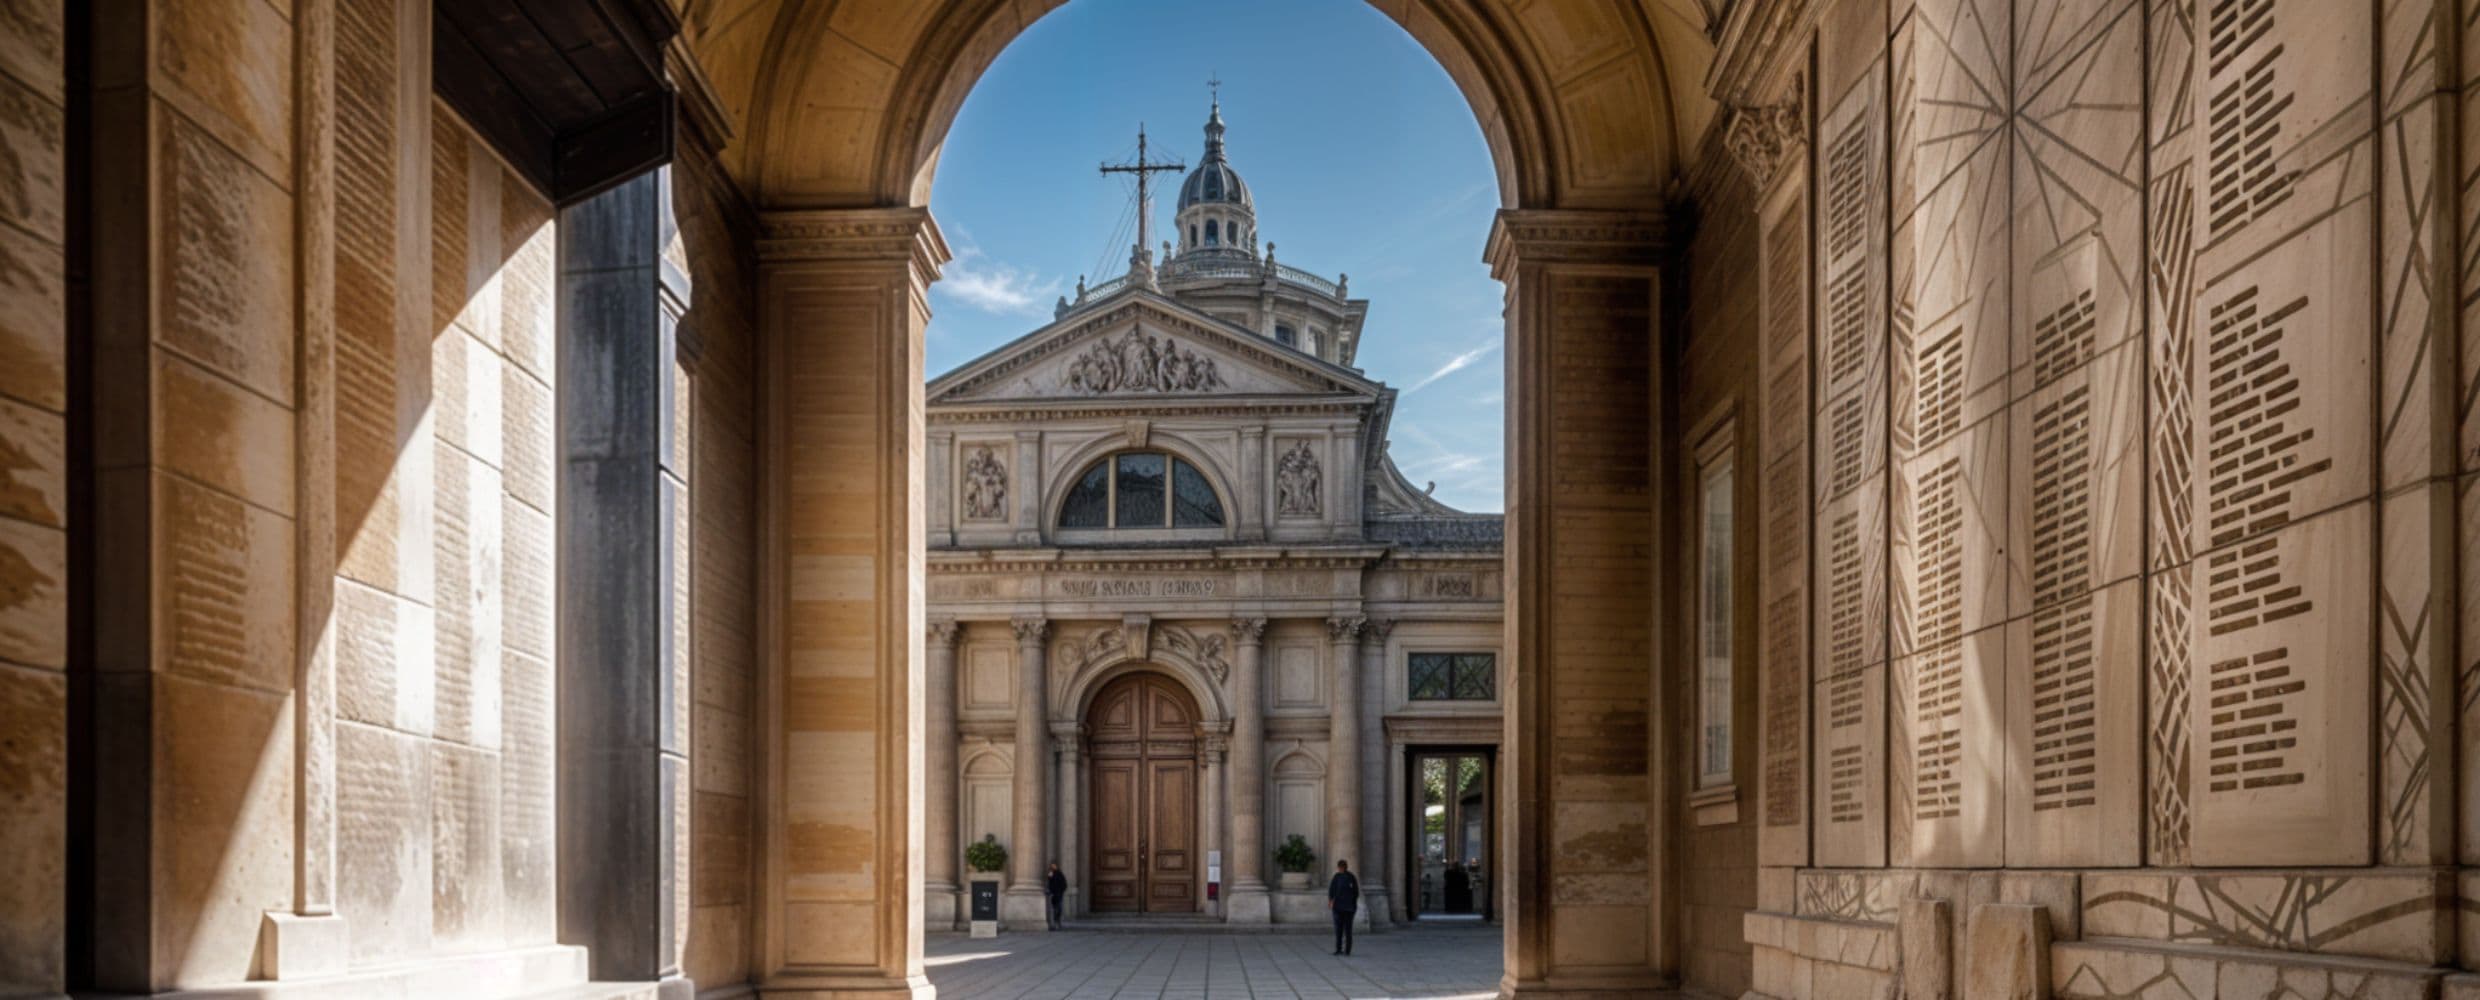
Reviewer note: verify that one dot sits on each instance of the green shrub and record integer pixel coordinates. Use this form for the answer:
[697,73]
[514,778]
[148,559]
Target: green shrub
[985,855]
[1294,855]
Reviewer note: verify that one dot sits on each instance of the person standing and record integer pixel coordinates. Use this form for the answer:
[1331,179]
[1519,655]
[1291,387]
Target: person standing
[1054,893]
[1343,897]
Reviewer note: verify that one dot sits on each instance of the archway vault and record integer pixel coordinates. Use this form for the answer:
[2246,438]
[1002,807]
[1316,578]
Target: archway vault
[844,103]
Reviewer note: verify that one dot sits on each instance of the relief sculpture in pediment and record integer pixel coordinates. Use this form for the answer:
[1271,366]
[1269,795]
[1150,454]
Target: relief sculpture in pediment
[1137,361]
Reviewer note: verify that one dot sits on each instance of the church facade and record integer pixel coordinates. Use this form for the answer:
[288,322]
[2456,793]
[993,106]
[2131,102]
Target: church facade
[1183,608]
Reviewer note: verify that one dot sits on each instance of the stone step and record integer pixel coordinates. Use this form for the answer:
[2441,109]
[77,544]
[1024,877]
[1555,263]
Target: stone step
[594,991]
[1184,923]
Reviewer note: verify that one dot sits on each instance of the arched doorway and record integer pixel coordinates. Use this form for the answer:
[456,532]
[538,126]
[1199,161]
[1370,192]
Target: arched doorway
[1142,769]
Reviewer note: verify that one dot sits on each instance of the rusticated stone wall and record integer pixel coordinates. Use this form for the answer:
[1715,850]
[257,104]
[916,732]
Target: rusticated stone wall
[34,511]
[2135,443]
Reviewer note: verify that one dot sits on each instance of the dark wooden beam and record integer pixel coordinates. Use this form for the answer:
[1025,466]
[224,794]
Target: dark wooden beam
[570,92]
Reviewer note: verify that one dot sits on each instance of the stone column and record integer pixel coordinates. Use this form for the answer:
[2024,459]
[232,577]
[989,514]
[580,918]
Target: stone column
[842,305]
[623,744]
[1246,901]
[1030,850]
[1214,743]
[1583,319]
[942,901]
[1069,738]
[1374,846]
[1343,747]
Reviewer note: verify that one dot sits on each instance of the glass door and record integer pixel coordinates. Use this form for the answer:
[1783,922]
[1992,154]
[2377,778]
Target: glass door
[1451,834]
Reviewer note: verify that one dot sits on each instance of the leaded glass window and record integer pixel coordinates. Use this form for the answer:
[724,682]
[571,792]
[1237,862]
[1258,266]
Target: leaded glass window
[1142,489]
[1453,676]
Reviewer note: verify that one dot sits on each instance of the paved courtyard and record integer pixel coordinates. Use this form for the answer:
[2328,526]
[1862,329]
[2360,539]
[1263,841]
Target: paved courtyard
[1433,963]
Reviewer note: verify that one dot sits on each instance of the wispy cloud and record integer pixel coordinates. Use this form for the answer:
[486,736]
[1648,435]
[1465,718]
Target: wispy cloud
[1456,364]
[996,287]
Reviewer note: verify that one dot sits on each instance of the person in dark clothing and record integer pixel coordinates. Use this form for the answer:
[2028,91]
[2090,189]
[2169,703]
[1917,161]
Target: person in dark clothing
[1343,897]
[1054,893]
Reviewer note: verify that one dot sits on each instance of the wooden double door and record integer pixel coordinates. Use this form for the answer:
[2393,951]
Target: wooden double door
[1142,770]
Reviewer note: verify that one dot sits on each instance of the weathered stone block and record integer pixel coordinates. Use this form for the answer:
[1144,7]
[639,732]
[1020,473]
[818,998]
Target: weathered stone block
[384,842]
[224,829]
[222,435]
[1927,934]
[2006,953]
[33,321]
[34,594]
[227,283]
[465,847]
[31,196]
[228,64]
[34,779]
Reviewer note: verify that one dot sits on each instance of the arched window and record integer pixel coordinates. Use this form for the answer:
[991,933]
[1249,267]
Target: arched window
[1141,489]
[1210,240]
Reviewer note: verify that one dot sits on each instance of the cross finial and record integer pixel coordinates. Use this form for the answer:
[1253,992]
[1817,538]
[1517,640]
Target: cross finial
[1214,86]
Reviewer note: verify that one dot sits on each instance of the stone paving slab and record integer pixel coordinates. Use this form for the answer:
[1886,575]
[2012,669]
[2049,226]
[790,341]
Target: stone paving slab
[1421,963]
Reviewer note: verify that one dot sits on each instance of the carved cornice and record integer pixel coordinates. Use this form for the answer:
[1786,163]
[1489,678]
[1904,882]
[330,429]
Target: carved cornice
[856,236]
[1075,561]
[1759,47]
[1763,139]
[1172,320]
[1578,236]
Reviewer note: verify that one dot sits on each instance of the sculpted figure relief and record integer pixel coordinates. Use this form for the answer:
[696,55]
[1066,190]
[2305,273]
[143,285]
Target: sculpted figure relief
[1137,361]
[1296,481]
[985,486]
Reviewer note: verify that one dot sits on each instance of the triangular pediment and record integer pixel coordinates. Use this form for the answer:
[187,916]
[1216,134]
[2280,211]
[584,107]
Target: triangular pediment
[1137,346]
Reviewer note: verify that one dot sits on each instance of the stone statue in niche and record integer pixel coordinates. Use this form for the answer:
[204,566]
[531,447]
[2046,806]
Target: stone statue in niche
[985,486]
[1137,361]
[1296,482]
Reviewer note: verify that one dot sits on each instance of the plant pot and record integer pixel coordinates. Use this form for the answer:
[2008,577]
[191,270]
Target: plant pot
[1292,881]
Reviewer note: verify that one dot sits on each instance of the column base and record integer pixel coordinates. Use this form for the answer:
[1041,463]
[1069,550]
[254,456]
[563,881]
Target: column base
[1374,902]
[293,946]
[796,986]
[1023,910]
[942,908]
[1248,905]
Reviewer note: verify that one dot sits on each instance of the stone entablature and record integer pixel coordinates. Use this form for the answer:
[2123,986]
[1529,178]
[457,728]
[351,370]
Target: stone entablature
[1073,582]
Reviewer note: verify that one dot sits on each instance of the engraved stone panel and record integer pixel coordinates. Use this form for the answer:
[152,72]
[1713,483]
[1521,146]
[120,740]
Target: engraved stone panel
[2078,183]
[1850,156]
[527,796]
[1850,796]
[2415,808]
[383,841]
[1958,67]
[224,591]
[2279,696]
[1952,571]
[227,283]
[2073,714]
[2079,478]
[1850,568]
[2415,322]
[525,578]
[1949,698]
[1954,374]
[464,799]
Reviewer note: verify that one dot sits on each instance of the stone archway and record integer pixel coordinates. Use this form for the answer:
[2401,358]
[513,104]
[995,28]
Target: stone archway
[1589,112]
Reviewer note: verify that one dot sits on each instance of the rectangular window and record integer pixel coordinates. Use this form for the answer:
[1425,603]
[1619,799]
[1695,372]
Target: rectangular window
[1453,676]
[1716,571]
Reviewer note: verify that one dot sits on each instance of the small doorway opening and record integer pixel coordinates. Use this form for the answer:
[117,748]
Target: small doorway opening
[1451,824]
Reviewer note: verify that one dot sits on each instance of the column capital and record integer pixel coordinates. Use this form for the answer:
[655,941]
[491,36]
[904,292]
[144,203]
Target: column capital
[1345,628]
[1764,138]
[1250,631]
[1578,236]
[905,236]
[943,633]
[1030,631]
[1377,629]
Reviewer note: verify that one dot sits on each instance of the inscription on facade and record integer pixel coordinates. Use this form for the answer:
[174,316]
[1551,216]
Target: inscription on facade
[1123,587]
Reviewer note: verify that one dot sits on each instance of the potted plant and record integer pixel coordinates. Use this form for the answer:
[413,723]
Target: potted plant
[1294,858]
[986,858]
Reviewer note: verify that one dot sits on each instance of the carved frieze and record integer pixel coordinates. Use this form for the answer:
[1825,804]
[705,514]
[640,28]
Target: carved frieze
[1137,361]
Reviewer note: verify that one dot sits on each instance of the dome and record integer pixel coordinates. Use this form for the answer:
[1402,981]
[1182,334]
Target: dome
[1214,182]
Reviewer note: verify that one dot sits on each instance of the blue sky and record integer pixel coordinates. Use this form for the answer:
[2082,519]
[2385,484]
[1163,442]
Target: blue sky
[1363,158]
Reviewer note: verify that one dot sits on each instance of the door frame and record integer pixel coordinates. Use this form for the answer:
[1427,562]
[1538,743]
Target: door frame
[1201,797]
[1410,809]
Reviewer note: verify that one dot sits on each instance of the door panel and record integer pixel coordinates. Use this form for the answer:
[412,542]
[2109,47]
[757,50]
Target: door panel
[1143,751]
[1171,869]
[1115,873]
